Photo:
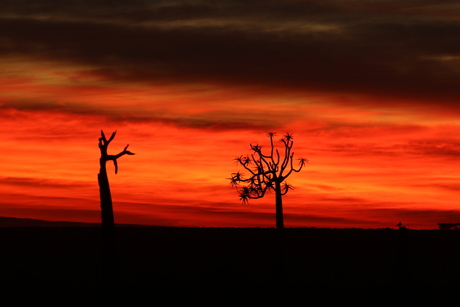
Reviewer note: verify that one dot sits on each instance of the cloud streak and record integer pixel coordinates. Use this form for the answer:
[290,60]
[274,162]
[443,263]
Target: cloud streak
[399,53]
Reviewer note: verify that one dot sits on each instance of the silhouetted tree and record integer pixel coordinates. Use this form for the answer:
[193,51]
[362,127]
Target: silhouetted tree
[108,225]
[267,172]
[104,188]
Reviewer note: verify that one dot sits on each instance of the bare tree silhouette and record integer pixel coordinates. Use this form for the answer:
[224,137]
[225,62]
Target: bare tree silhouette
[108,224]
[267,172]
[104,187]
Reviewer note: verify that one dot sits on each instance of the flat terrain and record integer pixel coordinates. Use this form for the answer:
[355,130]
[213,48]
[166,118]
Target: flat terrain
[224,265]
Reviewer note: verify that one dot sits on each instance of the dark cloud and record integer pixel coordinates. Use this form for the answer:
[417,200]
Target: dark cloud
[50,213]
[42,183]
[324,187]
[126,116]
[229,215]
[400,52]
[225,214]
[447,186]
[445,148]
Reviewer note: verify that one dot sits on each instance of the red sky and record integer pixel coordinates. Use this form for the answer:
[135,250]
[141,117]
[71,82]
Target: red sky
[369,89]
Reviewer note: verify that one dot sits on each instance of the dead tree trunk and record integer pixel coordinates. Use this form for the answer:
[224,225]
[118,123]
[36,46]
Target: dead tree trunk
[109,261]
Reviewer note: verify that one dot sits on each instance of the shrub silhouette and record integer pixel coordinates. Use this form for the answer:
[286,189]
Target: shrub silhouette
[267,172]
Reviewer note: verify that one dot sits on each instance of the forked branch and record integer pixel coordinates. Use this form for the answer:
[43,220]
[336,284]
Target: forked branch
[103,145]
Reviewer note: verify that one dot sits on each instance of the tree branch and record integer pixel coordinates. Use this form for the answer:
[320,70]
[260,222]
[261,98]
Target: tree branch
[267,170]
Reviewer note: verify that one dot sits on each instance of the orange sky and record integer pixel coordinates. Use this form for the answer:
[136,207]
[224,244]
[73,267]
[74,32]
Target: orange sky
[371,98]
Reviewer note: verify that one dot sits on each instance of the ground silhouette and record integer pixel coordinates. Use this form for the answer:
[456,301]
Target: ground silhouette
[222,266]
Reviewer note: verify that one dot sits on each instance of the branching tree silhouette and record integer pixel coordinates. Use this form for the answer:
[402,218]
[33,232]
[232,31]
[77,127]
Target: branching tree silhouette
[104,188]
[267,172]
[108,225]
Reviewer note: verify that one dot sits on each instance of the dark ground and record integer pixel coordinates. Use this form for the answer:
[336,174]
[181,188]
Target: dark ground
[224,266]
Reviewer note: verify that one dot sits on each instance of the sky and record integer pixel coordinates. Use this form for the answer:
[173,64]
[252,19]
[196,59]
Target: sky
[369,89]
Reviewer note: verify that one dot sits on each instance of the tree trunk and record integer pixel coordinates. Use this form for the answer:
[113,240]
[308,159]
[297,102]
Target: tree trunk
[106,198]
[280,238]
[109,252]
[279,207]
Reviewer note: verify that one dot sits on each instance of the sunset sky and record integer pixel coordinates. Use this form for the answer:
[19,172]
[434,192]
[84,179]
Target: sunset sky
[370,90]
